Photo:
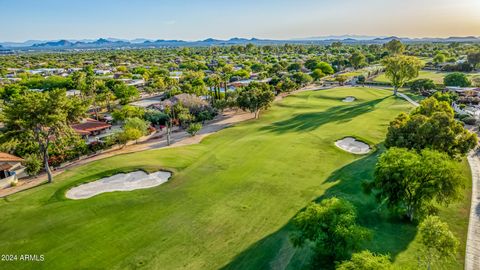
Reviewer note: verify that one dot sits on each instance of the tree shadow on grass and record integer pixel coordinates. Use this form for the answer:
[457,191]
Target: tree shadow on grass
[306,122]
[390,235]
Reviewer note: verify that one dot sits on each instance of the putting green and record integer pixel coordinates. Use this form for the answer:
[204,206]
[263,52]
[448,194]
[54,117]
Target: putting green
[230,200]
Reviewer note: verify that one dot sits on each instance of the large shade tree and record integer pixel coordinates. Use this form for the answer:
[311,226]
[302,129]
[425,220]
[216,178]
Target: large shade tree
[42,118]
[400,68]
[332,229]
[431,125]
[358,59]
[394,47]
[410,182]
[255,97]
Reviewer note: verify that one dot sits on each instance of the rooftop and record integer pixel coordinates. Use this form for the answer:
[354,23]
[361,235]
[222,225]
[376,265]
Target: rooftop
[6,157]
[89,126]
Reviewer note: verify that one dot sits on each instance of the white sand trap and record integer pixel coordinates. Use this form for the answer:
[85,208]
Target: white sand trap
[351,145]
[349,99]
[119,182]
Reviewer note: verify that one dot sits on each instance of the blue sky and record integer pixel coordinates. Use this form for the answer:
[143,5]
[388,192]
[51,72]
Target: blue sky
[277,19]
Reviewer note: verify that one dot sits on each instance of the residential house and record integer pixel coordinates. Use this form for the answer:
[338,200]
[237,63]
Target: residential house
[11,169]
[91,130]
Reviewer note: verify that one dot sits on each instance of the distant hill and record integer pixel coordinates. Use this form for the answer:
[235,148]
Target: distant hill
[60,43]
[140,42]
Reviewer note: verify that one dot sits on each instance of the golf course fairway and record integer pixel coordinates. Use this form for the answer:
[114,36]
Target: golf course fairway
[230,200]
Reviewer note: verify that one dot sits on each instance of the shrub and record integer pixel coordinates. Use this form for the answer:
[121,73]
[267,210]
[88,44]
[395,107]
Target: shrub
[33,164]
[156,117]
[194,128]
[470,120]
[128,111]
[138,124]
[129,134]
[457,79]
[361,79]
[421,85]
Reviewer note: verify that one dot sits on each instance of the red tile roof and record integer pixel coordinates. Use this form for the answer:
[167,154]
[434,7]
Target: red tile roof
[6,157]
[90,125]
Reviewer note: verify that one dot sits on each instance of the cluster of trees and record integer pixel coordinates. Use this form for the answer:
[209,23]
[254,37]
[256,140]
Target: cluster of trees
[419,172]
[37,123]
[330,229]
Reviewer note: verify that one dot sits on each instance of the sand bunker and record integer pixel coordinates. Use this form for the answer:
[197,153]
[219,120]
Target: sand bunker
[351,145]
[119,182]
[349,99]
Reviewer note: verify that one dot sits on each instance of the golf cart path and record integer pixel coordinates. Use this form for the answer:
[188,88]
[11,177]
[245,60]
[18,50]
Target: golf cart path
[472,254]
[407,98]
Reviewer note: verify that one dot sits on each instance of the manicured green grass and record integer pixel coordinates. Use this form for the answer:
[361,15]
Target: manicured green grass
[437,77]
[230,201]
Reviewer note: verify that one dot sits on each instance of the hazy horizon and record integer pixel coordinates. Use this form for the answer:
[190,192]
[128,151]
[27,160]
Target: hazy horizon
[264,19]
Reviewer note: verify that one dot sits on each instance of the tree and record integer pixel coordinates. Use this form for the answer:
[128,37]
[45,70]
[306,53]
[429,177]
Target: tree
[302,78]
[474,58]
[326,68]
[400,69]
[194,128]
[331,227]
[361,79]
[448,97]
[255,97]
[128,134]
[33,164]
[431,125]
[287,85]
[366,260]
[422,85]
[159,84]
[357,59]
[409,181]
[11,91]
[125,93]
[317,74]
[138,124]
[312,64]
[42,117]
[128,111]
[457,79]
[294,67]
[156,117]
[438,242]
[394,47]
[341,79]
[439,58]
[90,89]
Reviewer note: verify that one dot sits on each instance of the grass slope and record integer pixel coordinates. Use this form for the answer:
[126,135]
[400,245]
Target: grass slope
[231,198]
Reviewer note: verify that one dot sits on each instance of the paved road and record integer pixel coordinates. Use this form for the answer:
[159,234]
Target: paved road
[407,98]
